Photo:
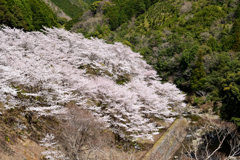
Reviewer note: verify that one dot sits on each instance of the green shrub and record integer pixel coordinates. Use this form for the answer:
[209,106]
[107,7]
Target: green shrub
[93,7]
[127,43]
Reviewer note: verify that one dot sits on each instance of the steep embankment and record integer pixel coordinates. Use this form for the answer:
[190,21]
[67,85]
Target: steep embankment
[57,10]
[70,7]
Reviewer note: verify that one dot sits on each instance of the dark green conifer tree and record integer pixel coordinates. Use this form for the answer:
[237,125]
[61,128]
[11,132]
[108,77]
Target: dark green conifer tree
[236,36]
[230,93]
[198,74]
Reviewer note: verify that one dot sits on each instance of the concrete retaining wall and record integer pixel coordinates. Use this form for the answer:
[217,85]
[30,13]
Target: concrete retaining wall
[168,144]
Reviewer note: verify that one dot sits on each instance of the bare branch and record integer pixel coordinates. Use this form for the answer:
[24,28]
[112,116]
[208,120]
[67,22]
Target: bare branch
[79,131]
[211,132]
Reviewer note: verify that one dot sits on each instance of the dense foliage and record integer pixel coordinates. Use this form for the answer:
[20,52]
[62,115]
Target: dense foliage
[68,7]
[73,8]
[70,23]
[28,14]
[47,70]
[194,44]
[89,1]
[124,10]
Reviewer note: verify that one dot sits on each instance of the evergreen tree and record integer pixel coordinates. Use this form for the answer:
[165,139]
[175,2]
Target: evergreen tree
[198,74]
[230,93]
[236,36]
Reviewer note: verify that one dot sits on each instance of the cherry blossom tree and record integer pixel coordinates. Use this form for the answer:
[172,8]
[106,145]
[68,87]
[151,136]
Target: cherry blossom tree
[46,70]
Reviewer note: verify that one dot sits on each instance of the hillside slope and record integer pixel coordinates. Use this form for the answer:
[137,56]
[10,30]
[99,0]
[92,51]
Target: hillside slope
[28,14]
[57,10]
[72,7]
[111,80]
[194,44]
[69,8]
[41,73]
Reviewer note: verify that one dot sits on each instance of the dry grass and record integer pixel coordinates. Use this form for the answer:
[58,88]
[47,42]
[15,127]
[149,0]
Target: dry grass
[24,143]
[20,133]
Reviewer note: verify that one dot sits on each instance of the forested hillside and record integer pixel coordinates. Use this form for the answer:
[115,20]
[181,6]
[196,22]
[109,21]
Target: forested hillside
[28,14]
[42,72]
[73,7]
[194,44]
[70,9]
[62,16]
[96,76]
[65,95]
[55,84]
